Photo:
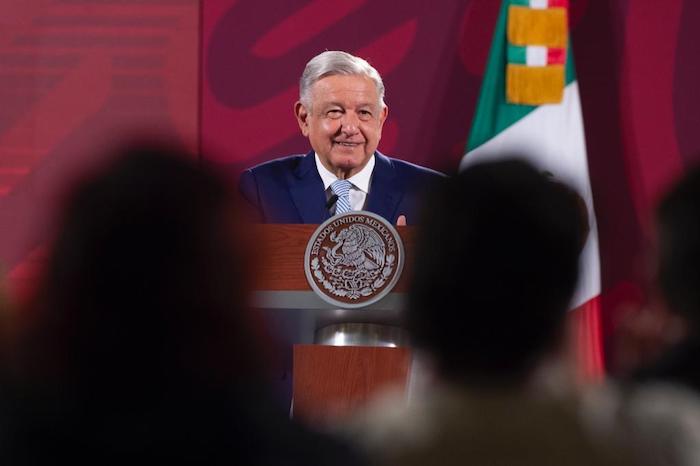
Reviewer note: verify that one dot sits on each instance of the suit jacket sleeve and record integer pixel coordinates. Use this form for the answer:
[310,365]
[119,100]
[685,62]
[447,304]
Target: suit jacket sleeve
[248,190]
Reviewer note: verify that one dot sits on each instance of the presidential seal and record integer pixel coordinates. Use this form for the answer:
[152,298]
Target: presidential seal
[354,259]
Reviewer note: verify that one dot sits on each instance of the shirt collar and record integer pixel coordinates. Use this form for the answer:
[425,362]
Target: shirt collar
[360,180]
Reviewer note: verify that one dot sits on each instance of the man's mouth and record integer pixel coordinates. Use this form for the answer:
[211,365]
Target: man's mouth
[347,144]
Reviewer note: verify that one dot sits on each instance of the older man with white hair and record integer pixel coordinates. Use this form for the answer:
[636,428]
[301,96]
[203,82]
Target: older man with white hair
[341,110]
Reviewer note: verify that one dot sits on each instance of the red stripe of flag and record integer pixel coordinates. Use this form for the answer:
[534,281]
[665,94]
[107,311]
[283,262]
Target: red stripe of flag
[556,56]
[587,341]
[558,4]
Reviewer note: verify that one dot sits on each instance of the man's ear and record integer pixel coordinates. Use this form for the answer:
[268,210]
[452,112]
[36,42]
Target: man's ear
[302,118]
[382,117]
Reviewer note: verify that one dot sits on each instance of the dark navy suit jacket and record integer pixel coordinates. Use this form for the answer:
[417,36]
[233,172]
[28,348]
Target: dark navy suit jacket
[290,190]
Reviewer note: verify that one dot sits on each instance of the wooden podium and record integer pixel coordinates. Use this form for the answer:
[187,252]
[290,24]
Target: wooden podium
[327,381]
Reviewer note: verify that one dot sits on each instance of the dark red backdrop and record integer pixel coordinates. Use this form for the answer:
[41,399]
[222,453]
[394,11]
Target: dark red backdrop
[78,75]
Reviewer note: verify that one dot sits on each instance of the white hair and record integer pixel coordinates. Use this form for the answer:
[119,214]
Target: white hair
[334,62]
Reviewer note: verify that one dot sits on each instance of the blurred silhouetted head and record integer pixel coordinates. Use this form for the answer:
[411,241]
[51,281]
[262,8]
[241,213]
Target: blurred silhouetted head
[145,284]
[496,266]
[678,222]
[141,344]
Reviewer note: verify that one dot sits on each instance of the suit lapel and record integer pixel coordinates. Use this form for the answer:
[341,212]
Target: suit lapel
[306,190]
[385,191]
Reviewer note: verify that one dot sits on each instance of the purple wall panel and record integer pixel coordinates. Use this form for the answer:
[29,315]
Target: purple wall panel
[76,77]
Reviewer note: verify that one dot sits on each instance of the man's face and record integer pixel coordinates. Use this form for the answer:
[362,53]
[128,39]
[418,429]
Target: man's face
[344,123]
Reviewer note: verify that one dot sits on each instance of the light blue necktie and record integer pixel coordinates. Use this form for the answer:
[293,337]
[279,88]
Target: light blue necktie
[342,189]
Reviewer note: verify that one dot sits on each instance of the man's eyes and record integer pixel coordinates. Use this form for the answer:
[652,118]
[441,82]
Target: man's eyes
[337,113]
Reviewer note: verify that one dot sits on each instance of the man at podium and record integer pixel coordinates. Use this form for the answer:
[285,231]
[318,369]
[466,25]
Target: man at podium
[341,111]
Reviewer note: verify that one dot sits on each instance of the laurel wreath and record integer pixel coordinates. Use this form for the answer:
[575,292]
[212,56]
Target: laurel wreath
[354,294]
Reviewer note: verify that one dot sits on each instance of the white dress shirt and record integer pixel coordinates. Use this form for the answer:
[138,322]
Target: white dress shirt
[360,183]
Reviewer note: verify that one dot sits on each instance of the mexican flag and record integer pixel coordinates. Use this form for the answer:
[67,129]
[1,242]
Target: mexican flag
[529,105]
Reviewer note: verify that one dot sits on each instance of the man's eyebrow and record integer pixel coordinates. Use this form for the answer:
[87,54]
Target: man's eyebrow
[332,104]
[341,105]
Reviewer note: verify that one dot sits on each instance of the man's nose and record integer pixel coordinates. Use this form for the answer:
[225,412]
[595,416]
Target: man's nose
[350,123]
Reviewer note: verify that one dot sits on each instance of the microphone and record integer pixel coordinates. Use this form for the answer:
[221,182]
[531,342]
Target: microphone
[331,202]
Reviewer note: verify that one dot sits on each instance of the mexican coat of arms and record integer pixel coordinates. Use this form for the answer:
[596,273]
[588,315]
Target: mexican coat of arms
[354,259]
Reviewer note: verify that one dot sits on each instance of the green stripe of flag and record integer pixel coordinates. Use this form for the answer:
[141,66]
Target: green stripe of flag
[493,114]
[517,54]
